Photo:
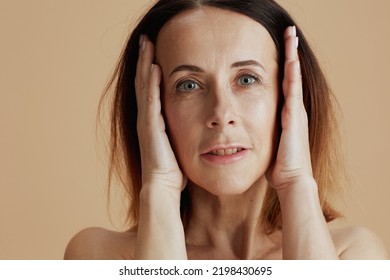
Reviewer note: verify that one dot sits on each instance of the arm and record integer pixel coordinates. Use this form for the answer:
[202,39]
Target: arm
[305,232]
[160,231]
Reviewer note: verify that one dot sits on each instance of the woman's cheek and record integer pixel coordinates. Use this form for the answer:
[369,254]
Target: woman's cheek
[179,126]
[261,120]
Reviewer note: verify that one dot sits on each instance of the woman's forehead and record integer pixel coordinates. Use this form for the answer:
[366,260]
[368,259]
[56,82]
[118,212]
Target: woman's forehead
[208,34]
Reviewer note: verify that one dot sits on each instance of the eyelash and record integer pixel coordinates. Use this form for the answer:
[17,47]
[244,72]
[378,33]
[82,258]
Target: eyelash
[182,83]
[256,80]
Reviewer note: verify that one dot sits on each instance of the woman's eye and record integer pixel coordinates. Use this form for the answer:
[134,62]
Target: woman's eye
[187,86]
[247,80]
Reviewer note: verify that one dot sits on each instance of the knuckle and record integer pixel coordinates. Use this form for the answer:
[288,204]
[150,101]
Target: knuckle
[140,84]
[149,99]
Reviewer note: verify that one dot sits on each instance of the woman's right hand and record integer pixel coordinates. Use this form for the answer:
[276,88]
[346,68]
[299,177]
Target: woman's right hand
[160,230]
[159,165]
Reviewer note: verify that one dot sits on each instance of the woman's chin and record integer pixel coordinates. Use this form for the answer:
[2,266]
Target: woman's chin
[225,187]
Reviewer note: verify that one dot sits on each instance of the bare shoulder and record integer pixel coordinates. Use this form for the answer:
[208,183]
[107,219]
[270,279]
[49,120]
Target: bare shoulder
[101,244]
[358,243]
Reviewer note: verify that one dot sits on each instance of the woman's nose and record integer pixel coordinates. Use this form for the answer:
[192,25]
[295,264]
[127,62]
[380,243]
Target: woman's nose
[221,110]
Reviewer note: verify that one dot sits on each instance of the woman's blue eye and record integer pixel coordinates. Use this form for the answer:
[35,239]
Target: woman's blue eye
[188,86]
[247,80]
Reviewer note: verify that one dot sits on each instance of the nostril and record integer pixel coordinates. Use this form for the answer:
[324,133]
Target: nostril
[217,123]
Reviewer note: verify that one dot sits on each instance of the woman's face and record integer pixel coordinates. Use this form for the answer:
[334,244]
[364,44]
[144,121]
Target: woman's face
[220,96]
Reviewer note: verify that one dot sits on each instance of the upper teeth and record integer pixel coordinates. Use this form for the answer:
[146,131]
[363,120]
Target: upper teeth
[226,152]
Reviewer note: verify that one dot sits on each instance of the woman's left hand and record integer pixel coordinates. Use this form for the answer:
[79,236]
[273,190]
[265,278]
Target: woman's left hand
[292,163]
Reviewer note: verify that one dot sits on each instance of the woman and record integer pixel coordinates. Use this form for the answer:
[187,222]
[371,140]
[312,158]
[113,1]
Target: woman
[223,134]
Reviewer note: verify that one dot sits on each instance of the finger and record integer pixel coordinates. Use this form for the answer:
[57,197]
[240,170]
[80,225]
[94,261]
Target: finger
[153,97]
[144,65]
[292,84]
[147,84]
[291,43]
[294,113]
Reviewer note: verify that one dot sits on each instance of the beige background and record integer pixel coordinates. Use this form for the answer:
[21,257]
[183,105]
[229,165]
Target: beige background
[55,57]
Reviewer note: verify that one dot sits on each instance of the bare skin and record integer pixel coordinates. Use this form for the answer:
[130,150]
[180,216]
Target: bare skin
[220,98]
[352,243]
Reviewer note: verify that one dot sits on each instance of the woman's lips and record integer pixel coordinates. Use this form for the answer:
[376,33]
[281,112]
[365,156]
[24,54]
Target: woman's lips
[225,156]
[224,152]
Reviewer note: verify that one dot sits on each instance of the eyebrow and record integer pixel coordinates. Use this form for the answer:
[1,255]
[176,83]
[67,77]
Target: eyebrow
[248,63]
[193,68]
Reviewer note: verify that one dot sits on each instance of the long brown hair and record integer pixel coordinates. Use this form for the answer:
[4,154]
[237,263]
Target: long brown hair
[318,99]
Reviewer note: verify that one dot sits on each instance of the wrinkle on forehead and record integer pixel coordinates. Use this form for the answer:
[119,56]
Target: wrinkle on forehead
[209,37]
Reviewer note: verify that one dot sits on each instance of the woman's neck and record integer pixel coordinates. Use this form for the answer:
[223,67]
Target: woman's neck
[229,224]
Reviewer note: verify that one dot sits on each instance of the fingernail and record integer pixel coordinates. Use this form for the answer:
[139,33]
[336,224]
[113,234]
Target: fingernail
[152,67]
[296,42]
[294,31]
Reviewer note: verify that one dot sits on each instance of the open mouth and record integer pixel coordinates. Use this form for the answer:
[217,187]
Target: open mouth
[225,152]
[223,156]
